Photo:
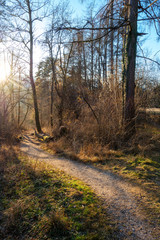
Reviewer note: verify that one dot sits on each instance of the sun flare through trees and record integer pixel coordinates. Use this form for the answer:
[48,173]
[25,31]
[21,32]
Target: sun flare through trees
[93,72]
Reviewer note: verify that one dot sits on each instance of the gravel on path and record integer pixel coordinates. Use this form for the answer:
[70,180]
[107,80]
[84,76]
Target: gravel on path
[116,193]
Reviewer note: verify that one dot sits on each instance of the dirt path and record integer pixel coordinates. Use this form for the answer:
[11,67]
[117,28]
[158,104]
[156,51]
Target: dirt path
[117,194]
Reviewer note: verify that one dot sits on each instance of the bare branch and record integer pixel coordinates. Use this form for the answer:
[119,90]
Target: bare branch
[149,59]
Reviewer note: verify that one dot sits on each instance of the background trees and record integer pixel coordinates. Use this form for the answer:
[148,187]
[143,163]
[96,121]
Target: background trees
[21,27]
[88,79]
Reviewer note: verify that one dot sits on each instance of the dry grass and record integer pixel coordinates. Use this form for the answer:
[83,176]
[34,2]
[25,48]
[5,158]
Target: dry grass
[92,117]
[138,162]
[38,202]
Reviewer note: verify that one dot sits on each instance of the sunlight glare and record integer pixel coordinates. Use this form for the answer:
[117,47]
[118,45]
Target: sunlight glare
[4,70]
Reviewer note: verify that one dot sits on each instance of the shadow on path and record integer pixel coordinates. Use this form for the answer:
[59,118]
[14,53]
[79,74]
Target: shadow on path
[117,195]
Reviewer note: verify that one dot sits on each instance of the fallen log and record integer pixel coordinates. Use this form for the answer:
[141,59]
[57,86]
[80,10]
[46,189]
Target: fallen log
[43,137]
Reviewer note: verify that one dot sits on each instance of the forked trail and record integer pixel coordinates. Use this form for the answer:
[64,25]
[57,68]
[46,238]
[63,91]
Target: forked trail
[120,197]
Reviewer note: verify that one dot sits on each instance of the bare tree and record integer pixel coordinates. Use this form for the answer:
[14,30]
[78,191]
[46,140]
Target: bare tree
[22,18]
[31,38]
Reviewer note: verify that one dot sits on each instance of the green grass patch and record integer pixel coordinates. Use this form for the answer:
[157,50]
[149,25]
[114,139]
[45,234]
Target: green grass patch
[38,202]
[138,162]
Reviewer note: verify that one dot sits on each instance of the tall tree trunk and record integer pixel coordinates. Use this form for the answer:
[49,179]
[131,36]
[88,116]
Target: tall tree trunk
[12,90]
[129,108]
[52,87]
[19,99]
[80,39]
[92,58]
[85,64]
[37,121]
[112,39]
[99,65]
[105,62]
[117,55]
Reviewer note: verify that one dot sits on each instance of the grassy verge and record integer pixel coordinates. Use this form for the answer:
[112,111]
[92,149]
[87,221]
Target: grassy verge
[37,202]
[138,163]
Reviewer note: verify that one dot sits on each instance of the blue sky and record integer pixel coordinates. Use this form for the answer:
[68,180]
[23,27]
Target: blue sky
[78,7]
[152,43]
[151,38]
[150,46]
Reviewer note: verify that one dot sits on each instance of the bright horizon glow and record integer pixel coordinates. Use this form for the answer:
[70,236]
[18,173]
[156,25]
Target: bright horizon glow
[4,70]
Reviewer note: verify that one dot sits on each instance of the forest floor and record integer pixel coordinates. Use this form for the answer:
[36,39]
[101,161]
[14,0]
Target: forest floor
[41,203]
[128,202]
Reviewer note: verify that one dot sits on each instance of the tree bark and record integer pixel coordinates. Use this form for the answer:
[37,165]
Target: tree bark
[19,100]
[92,59]
[129,108]
[105,62]
[37,121]
[112,39]
[52,87]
